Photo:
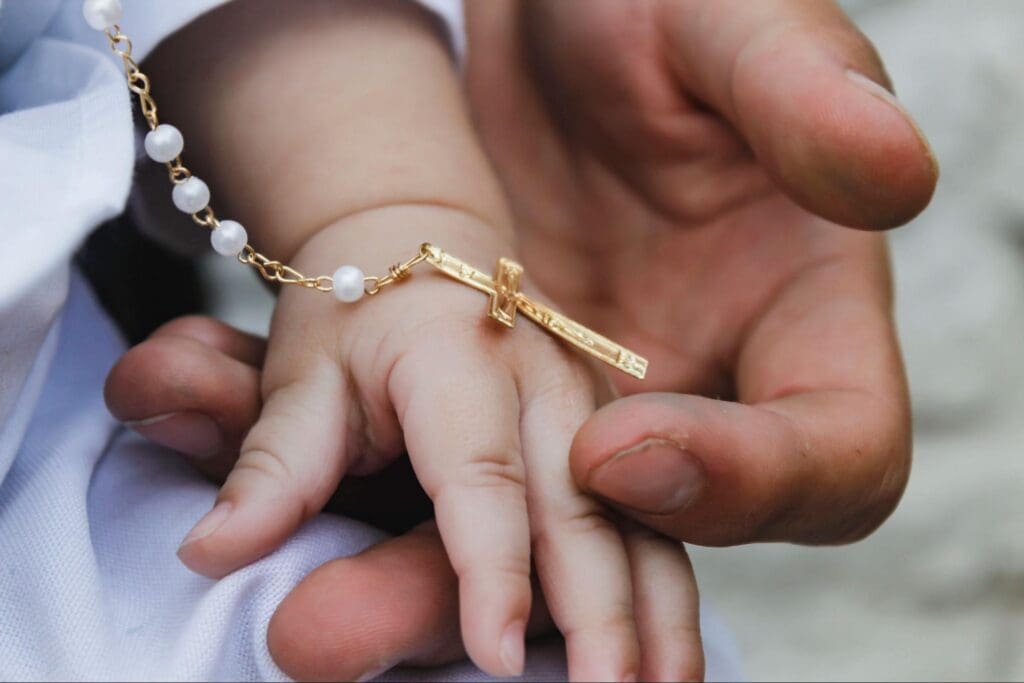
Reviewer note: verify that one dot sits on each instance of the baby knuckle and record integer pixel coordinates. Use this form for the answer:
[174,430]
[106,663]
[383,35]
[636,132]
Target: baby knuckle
[616,622]
[552,525]
[506,572]
[265,464]
[493,470]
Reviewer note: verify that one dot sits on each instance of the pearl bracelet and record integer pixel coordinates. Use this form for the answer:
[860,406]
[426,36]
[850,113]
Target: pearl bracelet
[164,144]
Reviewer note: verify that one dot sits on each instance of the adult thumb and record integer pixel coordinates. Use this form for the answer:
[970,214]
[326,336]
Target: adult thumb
[808,93]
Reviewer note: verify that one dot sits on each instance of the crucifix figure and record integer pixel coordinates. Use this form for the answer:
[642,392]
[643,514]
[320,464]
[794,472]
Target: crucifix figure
[506,300]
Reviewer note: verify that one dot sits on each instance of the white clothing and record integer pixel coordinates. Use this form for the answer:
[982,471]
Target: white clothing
[90,515]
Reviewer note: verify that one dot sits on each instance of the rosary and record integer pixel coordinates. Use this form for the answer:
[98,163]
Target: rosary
[164,144]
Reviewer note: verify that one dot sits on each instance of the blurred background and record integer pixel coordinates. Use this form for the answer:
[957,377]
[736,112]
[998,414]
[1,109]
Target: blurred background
[938,592]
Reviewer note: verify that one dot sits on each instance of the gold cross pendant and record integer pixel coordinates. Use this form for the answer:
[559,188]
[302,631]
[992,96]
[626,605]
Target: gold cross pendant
[507,300]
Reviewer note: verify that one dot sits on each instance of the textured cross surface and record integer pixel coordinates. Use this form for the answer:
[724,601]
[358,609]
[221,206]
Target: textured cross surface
[506,300]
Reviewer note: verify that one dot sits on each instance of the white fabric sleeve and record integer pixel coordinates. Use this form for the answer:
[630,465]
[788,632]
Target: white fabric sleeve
[146,22]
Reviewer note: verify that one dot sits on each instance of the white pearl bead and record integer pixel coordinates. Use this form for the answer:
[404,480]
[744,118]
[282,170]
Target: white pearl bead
[348,284]
[191,196]
[164,143]
[229,238]
[101,14]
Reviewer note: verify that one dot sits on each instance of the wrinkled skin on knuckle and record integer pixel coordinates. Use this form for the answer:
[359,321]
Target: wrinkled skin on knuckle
[271,466]
[616,623]
[493,470]
[460,337]
[573,514]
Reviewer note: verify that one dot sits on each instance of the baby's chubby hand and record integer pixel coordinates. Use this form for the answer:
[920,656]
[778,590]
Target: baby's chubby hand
[350,116]
[486,414]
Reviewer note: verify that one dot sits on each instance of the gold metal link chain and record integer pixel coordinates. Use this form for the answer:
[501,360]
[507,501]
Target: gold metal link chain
[177,172]
[503,288]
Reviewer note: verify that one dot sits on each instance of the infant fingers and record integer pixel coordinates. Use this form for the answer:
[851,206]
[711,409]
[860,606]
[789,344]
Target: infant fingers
[290,464]
[667,607]
[580,556]
[460,420]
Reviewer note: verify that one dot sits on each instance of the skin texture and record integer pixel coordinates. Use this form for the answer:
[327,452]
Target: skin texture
[665,168]
[666,187]
[487,417]
[397,602]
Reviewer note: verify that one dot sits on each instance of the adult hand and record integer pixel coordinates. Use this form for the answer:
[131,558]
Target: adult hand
[674,167]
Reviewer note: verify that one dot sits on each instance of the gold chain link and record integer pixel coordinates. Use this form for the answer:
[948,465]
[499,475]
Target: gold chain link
[177,172]
[397,272]
[503,287]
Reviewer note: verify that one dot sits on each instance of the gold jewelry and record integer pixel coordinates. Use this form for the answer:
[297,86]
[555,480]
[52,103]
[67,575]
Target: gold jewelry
[164,144]
[506,300]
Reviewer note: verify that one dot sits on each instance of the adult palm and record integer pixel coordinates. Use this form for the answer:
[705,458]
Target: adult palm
[674,166]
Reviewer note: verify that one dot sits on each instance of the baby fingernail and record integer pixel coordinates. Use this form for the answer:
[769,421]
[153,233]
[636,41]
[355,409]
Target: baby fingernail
[190,433]
[655,476]
[513,648]
[213,520]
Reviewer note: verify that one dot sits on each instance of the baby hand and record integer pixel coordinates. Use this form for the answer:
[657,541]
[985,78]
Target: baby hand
[339,107]
[486,414]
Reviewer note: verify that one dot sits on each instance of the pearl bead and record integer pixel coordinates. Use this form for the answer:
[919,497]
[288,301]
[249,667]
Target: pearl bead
[164,143]
[191,196]
[101,14]
[348,284]
[229,238]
